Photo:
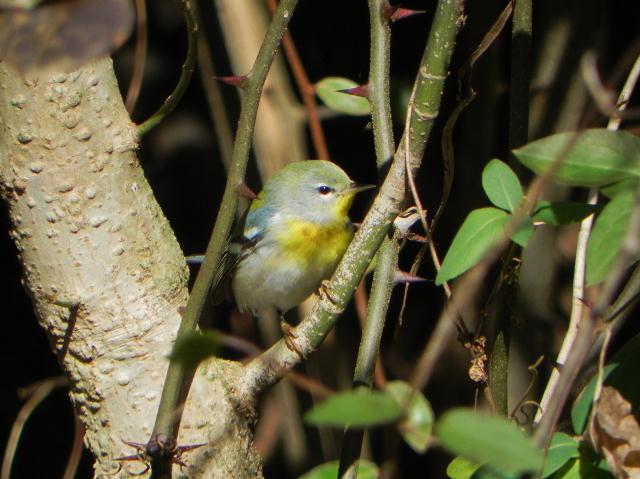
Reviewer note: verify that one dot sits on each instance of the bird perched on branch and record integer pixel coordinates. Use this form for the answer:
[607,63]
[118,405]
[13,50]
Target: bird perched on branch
[295,232]
[294,235]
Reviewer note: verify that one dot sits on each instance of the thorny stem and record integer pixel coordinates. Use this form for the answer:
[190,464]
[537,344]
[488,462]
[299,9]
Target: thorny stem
[307,92]
[379,99]
[464,76]
[268,368]
[185,77]
[178,379]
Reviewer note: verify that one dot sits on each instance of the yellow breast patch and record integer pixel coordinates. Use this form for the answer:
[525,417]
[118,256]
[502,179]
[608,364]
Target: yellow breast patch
[314,244]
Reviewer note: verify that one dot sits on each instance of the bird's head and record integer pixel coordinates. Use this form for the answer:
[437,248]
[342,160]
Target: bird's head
[314,190]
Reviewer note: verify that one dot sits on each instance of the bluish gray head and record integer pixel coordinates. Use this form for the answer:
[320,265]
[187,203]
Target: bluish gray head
[312,190]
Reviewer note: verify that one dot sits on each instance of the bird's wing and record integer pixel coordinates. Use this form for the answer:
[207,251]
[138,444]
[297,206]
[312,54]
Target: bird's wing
[240,247]
[236,250]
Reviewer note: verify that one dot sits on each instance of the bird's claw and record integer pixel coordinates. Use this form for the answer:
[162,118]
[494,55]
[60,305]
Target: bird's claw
[289,338]
[324,292]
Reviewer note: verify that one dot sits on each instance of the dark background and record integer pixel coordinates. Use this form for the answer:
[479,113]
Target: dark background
[182,163]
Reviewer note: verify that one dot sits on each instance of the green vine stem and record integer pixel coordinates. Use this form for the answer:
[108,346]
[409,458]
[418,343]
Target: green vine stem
[334,295]
[520,75]
[185,77]
[379,99]
[518,136]
[178,379]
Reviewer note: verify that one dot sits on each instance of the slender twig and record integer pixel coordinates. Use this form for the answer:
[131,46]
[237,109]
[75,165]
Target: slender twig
[507,285]
[465,99]
[168,418]
[387,262]
[307,91]
[139,57]
[76,449]
[379,92]
[187,69]
[625,95]
[432,72]
[221,123]
[360,300]
[583,339]
[38,393]
[577,309]
[579,275]
[520,75]
[601,360]
[369,349]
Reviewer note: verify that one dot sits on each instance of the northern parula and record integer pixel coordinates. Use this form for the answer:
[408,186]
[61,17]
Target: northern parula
[295,232]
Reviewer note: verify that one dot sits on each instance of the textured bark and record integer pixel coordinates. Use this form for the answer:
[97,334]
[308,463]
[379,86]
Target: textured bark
[104,271]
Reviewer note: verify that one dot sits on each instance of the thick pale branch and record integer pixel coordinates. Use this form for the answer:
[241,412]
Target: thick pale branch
[105,273]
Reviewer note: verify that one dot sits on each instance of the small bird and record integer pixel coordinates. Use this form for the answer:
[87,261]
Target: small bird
[295,233]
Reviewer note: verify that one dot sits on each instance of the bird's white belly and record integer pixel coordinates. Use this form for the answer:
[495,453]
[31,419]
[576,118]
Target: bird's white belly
[263,280]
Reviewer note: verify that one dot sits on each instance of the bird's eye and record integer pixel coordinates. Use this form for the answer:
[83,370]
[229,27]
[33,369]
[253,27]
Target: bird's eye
[324,189]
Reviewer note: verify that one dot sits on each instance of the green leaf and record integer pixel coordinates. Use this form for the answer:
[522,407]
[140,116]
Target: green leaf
[329,91]
[358,408]
[562,212]
[582,405]
[501,185]
[474,238]
[612,190]
[461,468]
[329,470]
[522,236]
[570,470]
[621,373]
[486,473]
[417,424]
[597,157]
[608,236]
[562,449]
[491,440]
[195,347]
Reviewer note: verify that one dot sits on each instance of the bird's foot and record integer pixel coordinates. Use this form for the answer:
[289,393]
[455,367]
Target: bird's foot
[325,293]
[290,338]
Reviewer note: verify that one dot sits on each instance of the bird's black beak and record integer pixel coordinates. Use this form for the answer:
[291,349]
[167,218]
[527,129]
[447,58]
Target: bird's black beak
[355,188]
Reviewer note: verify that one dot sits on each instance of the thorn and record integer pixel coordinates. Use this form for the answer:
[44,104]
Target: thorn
[233,80]
[393,13]
[418,238]
[360,90]
[586,302]
[402,13]
[246,192]
[402,277]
